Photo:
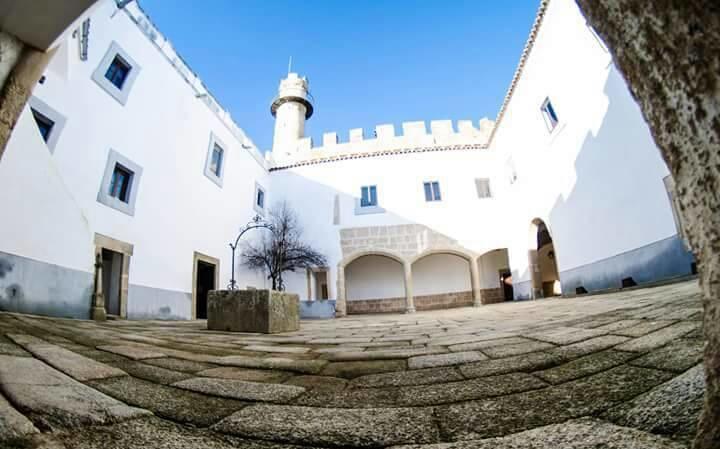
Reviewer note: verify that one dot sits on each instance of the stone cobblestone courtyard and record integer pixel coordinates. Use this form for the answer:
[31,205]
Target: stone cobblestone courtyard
[620,370]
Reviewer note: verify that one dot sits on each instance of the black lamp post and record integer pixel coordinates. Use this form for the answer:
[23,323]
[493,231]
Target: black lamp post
[256,222]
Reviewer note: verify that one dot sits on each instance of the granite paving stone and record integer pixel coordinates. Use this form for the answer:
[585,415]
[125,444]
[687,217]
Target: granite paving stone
[671,408]
[658,338]
[522,363]
[248,374]
[439,360]
[381,354]
[521,411]
[75,365]
[132,352]
[584,366]
[489,343]
[408,378]
[467,390]
[55,398]
[13,424]
[333,427]
[273,363]
[187,366]
[589,346]
[349,370]
[171,403]
[319,383]
[279,348]
[516,349]
[583,433]
[150,372]
[644,327]
[241,389]
[678,356]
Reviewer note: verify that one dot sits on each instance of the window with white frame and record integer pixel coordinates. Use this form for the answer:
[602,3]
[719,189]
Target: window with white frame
[259,204]
[368,196]
[215,160]
[549,114]
[120,183]
[432,191]
[483,187]
[116,73]
[49,121]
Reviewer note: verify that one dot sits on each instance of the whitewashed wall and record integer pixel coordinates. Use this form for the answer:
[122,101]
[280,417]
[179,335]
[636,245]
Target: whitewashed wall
[165,129]
[596,180]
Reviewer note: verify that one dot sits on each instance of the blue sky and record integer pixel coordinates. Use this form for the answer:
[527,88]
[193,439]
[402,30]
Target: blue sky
[368,61]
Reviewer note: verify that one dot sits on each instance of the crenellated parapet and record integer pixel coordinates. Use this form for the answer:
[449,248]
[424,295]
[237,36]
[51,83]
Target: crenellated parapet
[417,134]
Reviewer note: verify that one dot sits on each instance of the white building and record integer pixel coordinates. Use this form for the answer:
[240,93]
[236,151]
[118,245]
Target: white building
[124,157]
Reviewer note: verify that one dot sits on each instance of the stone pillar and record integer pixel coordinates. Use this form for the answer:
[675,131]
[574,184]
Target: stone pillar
[675,80]
[475,281]
[340,303]
[535,274]
[409,299]
[18,86]
[98,298]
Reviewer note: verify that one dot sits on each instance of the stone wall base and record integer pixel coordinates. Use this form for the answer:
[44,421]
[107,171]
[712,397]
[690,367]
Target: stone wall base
[398,305]
[492,295]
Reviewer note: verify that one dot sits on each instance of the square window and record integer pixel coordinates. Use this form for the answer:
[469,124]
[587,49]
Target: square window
[45,125]
[368,196]
[549,114]
[432,191]
[120,183]
[216,160]
[259,204]
[483,187]
[50,122]
[118,71]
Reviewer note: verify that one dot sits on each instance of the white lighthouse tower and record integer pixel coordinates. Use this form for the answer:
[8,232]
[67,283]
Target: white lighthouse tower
[290,108]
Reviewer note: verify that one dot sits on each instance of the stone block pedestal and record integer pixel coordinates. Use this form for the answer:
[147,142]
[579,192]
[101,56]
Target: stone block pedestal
[264,311]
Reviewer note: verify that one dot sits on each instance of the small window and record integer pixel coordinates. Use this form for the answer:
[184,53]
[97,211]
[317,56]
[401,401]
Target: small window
[432,191]
[118,71]
[45,125]
[259,204]
[483,187]
[216,160]
[549,114]
[368,196]
[120,183]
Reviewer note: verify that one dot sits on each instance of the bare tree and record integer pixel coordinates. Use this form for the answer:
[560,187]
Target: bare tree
[282,249]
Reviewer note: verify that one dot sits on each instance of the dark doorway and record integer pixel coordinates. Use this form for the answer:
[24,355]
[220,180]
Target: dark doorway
[111,281]
[205,283]
[506,283]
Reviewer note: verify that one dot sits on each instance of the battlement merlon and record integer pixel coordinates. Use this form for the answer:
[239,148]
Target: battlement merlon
[414,134]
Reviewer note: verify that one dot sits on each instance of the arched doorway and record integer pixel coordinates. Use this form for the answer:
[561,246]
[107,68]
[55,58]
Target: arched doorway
[375,283]
[543,261]
[495,276]
[442,280]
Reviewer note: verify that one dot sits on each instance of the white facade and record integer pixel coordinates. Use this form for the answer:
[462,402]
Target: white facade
[595,179]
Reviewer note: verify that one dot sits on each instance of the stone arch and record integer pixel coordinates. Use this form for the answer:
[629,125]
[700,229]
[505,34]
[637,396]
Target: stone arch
[542,260]
[341,303]
[495,276]
[457,290]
